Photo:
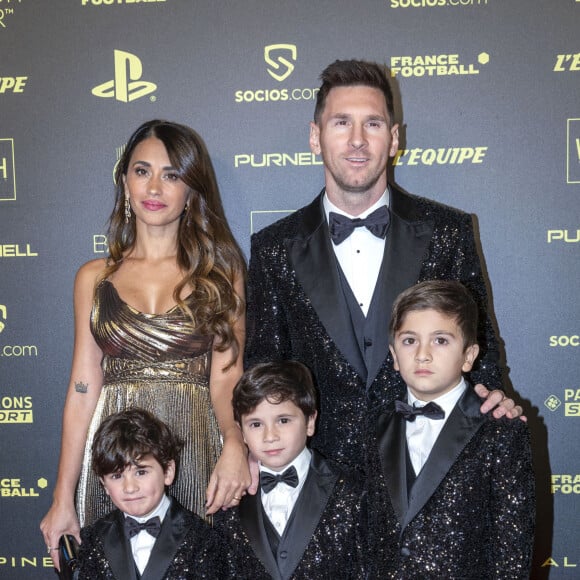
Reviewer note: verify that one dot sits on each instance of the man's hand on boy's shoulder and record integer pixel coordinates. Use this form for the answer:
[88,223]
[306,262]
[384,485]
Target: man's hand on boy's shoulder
[497,402]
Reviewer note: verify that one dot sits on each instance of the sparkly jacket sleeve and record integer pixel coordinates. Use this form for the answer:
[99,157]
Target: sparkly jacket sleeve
[267,329]
[513,506]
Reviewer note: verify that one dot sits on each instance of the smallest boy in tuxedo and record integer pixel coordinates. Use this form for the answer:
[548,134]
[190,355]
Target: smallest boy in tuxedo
[306,521]
[451,491]
[150,536]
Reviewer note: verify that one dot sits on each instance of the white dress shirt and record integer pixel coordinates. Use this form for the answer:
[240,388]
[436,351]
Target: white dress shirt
[279,503]
[143,542]
[360,255]
[423,432]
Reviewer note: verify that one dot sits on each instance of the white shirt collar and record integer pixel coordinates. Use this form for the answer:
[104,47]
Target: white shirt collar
[447,401]
[160,510]
[329,206]
[301,462]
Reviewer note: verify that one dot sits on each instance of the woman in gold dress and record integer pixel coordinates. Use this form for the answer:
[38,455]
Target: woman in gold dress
[159,324]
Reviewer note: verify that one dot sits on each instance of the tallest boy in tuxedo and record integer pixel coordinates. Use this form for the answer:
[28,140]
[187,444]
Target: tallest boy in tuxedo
[321,287]
[450,490]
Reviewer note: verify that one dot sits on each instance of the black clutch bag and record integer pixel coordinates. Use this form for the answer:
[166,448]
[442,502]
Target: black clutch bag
[68,551]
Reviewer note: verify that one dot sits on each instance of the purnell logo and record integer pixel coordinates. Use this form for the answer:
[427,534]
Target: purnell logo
[276,62]
[126,86]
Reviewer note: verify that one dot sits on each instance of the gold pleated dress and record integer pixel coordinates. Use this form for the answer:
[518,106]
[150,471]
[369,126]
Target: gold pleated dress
[156,362]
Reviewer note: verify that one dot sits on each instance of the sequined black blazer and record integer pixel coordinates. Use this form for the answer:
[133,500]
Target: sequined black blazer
[297,310]
[186,548]
[470,512]
[326,535]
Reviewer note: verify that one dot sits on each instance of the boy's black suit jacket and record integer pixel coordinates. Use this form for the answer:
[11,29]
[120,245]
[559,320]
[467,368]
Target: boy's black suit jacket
[470,511]
[186,548]
[325,536]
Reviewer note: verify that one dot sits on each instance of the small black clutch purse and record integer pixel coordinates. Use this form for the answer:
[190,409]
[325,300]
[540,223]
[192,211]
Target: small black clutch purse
[68,551]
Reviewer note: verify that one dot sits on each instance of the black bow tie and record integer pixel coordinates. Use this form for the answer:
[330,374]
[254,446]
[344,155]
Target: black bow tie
[151,526]
[342,226]
[430,410]
[268,481]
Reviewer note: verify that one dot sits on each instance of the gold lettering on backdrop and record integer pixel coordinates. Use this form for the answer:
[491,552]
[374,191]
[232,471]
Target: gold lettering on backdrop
[567,62]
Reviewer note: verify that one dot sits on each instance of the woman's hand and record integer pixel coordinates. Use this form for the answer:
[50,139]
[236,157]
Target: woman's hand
[230,478]
[60,519]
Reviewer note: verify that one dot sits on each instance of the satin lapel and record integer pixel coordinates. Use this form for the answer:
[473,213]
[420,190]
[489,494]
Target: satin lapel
[173,530]
[463,423]
[316,268]
[251,520]
[118,548]
[391,442]
[308,511]
[405,249]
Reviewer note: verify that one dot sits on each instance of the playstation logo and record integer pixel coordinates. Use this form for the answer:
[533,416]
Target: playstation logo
[126,86]
[274,56]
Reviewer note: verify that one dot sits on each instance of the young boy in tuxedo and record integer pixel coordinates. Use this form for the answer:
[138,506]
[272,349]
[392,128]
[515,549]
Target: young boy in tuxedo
[307,519]
[451,491]
[150,536]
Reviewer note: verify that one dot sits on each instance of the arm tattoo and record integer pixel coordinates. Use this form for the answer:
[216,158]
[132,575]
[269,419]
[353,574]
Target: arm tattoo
[81,387]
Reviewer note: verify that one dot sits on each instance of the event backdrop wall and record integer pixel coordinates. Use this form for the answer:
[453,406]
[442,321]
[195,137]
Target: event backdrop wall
[488,98]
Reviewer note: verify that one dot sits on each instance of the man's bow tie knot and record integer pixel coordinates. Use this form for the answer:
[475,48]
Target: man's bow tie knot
[268,481]
[430,410]
[342,226]
[152,526]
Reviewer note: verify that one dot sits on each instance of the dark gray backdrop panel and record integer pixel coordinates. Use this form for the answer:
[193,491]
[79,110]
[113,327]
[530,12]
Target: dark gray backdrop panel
[58,143]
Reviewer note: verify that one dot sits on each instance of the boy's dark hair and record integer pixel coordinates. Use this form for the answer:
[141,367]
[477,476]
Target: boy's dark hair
[275,382]
[448,297]
[125,438]
[350,73]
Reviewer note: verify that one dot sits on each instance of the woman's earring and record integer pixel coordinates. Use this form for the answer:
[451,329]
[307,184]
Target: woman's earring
[186,211]
[127,210]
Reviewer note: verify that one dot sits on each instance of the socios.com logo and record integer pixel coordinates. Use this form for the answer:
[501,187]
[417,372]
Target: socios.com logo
[127,85]
[275,56]
[280,59]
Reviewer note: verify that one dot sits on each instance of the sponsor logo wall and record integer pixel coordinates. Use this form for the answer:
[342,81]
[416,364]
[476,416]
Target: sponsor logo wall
[490,123]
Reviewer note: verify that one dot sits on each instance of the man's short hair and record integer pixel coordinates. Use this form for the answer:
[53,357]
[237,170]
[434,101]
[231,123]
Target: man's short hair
[448,297]
[275,382]
[126,437]
[349,73]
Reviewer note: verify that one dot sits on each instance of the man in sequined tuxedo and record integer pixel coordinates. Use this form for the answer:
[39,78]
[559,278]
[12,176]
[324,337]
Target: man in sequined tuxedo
[450,490]
[326,301]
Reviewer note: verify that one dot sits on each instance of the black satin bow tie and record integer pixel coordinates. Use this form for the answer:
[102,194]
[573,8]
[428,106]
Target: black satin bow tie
[430,410]
[268,481]
[342,226]
[151,526]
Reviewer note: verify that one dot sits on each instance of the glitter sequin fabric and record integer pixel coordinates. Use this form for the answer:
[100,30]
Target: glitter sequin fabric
[158,363]
[186,549]
[325,537]
[469,513]
[293,302]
